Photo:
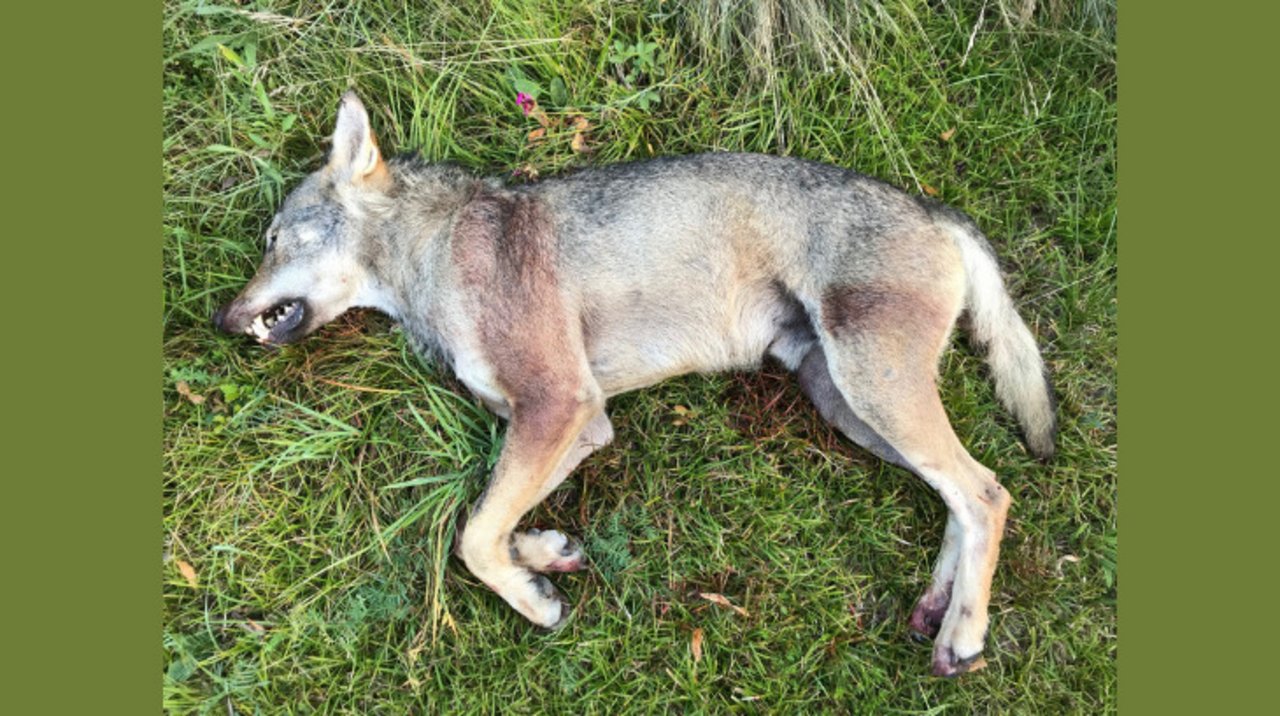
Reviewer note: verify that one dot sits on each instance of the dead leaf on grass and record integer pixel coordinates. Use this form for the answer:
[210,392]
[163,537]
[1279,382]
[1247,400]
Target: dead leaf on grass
[542,117]
[947,135]
[528,171]
[188,573]
[696,645]
[580,126]
[928,189]
[185,391]
[720,599]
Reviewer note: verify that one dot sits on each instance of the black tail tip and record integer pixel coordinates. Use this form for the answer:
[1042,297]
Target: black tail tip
[1042,444]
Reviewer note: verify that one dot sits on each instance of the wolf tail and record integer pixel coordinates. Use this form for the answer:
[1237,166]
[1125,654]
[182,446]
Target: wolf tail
[1022,381]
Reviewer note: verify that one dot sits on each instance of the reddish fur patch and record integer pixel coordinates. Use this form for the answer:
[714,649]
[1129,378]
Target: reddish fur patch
[882,307]
[504,247]
[902,327]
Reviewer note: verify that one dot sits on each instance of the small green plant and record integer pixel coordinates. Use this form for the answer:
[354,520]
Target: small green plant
[267,128]
[521,83]
[634,60]
[636,64]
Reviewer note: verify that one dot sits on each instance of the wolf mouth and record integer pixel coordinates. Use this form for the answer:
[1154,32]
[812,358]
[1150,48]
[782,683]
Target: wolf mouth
[277,323]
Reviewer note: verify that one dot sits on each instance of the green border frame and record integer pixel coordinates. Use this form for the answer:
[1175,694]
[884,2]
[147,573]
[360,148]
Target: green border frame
[1197,160]
[83,317]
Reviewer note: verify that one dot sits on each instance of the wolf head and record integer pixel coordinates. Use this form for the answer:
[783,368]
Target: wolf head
[312,270]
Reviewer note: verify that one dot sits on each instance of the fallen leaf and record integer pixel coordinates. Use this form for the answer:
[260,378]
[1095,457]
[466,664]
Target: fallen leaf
[540,116]
[1064,558]
[722,601]
[537,135]
[528,171]
[185,391]
[255,627]
[947,135]
[680,410]
[928,189]
[580,125]
[696,645]
[188,573]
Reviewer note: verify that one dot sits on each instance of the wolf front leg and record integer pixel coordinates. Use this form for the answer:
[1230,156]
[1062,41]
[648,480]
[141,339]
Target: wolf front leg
[544,442]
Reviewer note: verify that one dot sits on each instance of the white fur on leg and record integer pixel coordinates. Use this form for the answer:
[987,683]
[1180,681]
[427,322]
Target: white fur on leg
[503,560]
[547,551]
[964,627]
[528,593]
[926,618]
[532,595]
[977,506]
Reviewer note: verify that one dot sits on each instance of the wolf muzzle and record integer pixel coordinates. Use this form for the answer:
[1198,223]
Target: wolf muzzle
[220,319]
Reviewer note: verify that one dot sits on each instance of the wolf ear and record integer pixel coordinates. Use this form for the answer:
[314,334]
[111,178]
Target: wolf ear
[355,154]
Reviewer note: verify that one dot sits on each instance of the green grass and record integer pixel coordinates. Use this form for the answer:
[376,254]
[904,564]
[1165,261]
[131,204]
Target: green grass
[315,487]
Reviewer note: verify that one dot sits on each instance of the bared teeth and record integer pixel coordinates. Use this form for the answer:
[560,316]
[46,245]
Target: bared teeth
[259,329]
[266,321]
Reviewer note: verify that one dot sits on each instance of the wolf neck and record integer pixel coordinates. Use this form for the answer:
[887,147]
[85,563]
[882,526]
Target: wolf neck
[408,259]
[403,285]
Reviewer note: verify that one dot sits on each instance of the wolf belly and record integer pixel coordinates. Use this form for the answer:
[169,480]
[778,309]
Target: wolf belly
[667,330]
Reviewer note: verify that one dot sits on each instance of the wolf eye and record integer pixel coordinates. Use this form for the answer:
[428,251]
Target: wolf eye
[271,238]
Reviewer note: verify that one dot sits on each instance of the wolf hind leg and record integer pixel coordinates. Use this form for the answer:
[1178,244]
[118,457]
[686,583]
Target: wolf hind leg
[815,379]
[873,375]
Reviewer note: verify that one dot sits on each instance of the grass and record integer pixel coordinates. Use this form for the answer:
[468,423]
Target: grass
[313,489]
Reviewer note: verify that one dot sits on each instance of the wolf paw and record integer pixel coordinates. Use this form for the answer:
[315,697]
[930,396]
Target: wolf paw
[958,647]
[547,551]
[551,595]
[946,663]
[533,595]
[926,618]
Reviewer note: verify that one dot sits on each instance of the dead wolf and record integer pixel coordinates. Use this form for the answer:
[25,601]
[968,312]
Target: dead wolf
[548,298]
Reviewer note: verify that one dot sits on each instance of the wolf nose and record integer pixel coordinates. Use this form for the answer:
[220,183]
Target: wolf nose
[219,319]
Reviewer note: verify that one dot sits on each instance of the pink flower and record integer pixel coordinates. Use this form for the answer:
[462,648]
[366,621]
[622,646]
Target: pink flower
[526,102]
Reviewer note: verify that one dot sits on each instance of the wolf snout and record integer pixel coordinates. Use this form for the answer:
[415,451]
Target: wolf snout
[221,319]
[218,317]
